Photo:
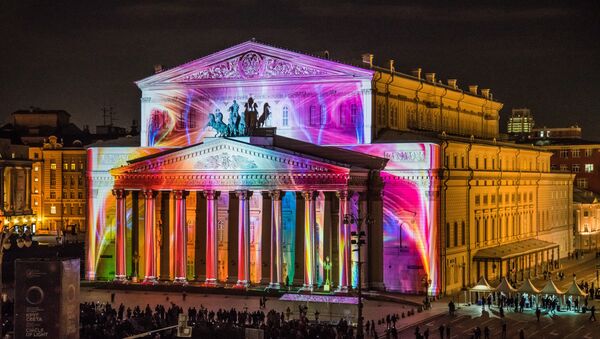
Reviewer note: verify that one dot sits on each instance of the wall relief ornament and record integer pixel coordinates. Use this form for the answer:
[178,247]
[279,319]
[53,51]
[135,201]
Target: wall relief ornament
[252,65]
[225,161]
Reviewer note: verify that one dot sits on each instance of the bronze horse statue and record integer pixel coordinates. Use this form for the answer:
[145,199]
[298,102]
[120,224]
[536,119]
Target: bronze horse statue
[265,115]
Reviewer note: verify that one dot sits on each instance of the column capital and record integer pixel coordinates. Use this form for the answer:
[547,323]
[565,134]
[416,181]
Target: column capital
[243,194]
[276,194]
[180,194]
[211,194]
[120,193]
[309,195]
[149,194]
[342,195]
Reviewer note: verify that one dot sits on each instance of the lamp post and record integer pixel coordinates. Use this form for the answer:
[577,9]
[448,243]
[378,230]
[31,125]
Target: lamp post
[358,239]
[24,239]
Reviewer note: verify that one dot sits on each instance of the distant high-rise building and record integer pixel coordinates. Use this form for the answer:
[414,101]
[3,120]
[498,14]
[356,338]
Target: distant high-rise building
[520,122]
[571,132]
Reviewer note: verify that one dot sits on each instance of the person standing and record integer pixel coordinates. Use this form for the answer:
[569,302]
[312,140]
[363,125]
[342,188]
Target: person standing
[486,332]
[441,329]
[521,334]
[593,313]
[538,313]
[503,329]
[448,331]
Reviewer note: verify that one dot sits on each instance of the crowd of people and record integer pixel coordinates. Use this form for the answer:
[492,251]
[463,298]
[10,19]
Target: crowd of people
[104,321]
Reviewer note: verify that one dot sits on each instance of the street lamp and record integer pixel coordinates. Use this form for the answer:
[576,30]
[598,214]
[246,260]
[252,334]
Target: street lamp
[358,239]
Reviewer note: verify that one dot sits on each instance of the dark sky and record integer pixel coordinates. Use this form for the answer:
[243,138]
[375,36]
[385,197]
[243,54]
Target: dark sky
[79,56]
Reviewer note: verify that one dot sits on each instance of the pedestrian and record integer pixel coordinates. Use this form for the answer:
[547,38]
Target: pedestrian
[521,334]
[441,329]
[486,332]
[448,331]
[501,312]
[417,332]
[426,333]
[503,329]
[538,313]
[593,313]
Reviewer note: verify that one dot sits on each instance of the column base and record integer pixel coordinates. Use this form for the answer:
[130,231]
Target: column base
[274,286]
[242,284]
[150,281]
[341,289]
[307,288]
[120,279]
[180,281]
[210,282]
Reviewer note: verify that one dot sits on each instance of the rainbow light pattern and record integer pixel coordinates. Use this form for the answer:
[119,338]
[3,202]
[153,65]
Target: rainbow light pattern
[411,253]
[324,113]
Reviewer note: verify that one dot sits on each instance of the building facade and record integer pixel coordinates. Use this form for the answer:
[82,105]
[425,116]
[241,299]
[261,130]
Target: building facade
[581,157]
[586,212]
[15,186]
[520,122]
[255,163]
[58,187]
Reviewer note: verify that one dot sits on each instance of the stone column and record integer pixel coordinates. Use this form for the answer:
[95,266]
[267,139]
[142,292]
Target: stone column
[212,246]
[121,225]
[150,236]
[310,214]
[180,237]
[8,189]
[327,235]
[164,269]
[200,238]
[343,243]
[299,242]
[135,234]
[265,238]
[276,240]
[232,238]
[27,207]
[244,238]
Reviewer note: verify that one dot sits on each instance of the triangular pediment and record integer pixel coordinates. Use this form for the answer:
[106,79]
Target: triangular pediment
[222,155]
[254,61]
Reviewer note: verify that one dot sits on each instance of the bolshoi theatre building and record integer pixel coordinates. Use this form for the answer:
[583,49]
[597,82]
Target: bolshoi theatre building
[256,166]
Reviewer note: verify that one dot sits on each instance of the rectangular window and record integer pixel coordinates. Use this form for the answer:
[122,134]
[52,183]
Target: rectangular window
[589,168]
[36,155]
[582,183]
[285,117]
[564,154]
[585,213]
[80,210]
[455,161]
[589,152]
[53,165]
[575,153]
[180,120]
[66,166]
[353,114]
[323,116]
[73,166]
[342,116]
[36,168]
[314,115]
[79,195]
[477,199]
[476,163]
[564,168]
[52,209]
[575,168]
[191,120]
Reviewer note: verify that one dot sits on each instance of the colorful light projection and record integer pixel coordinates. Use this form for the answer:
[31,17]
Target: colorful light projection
[411,253]
[322,113]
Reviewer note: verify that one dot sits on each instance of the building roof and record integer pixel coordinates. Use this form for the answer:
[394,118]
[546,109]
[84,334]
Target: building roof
[514,249]
[563,142]
[127,141]
[584,196]
[551,288]
[528,288]
[41,111]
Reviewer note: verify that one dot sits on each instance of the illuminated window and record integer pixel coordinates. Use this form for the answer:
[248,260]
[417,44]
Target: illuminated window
[323,115]
[81,166]
[353,114]
[285,117]
[36,168]
[53,209]
[73,166]
[575,168]
[52,165]
[589,152]
[35,202]
[575,153]
[36,179]
[589,168]
[66,166]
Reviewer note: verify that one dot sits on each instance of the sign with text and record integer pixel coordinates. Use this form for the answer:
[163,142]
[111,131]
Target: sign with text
[47,298]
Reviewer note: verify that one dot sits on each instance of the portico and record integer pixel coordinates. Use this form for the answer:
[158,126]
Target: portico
[244,169]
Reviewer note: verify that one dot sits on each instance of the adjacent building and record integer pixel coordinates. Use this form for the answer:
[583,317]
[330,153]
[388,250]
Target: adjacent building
[580,157]
[255,164]
[587,224]
[15,187]
[520,123]
[58,192]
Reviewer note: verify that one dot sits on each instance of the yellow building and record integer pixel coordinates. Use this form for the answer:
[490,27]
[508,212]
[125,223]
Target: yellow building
[503,212]
[587,224]
[58,187]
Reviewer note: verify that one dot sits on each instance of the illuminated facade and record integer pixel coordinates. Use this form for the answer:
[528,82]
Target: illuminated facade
[587,226]
[58,191]
[15,186]
[251,158]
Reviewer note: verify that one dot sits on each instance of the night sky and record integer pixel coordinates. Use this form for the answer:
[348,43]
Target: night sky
[80,56]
